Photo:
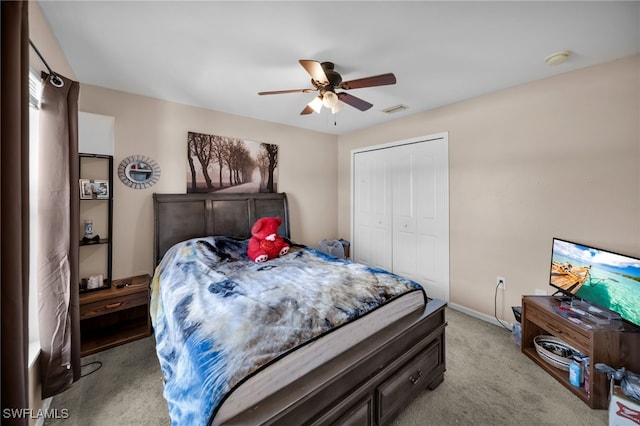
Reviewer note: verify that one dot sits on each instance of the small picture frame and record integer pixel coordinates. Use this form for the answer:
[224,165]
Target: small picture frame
[100,189]
[86,189]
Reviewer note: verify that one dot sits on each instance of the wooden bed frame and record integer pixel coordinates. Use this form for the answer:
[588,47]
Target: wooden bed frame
[369,384]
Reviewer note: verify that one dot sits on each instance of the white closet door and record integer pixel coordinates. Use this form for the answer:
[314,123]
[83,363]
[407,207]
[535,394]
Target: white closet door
[406,171]
[372,224]
[421,215]
[401,211]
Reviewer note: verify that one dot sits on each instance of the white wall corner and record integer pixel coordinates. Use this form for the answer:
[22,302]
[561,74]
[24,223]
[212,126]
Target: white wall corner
[96,133]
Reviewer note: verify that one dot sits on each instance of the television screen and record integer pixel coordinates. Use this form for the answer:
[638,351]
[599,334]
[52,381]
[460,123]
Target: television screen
[606,279]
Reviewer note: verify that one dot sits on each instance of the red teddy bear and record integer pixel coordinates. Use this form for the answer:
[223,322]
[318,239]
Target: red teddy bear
[265,243]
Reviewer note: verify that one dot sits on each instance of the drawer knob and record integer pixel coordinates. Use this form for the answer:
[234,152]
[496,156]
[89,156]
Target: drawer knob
[113,305]
[416,379]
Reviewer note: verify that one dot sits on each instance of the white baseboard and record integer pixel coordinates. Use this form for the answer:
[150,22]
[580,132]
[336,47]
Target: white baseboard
[480,315]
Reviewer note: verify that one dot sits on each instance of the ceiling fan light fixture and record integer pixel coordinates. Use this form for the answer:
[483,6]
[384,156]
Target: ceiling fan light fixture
[316,104]
[330,99]
[326,81]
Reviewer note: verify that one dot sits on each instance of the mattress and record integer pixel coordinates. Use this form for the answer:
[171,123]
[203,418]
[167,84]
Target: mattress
[311,356]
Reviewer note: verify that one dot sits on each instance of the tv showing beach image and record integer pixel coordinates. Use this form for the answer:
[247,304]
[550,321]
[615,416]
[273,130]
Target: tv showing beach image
[606,279]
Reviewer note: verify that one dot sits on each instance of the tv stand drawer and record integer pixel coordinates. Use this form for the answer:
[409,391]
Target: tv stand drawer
[564,330]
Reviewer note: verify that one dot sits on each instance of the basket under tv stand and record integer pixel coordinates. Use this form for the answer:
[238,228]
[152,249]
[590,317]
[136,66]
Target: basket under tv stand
[616,344]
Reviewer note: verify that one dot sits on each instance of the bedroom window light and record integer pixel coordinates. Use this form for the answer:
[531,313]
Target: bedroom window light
[35,91]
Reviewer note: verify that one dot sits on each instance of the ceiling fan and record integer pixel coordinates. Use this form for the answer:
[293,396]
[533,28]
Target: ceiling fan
[326,81]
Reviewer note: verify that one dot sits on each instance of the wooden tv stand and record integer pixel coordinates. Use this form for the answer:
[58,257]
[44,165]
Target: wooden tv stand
[616,345]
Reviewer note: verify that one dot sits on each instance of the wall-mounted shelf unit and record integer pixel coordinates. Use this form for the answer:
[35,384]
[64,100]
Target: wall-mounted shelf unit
[96,205]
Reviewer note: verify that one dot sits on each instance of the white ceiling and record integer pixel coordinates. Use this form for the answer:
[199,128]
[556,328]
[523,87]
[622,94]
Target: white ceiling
[218,55]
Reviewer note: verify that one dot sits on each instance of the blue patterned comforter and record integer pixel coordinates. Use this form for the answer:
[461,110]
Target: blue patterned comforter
[218,317]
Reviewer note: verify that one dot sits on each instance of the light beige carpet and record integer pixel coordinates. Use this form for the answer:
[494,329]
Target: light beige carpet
[488,382]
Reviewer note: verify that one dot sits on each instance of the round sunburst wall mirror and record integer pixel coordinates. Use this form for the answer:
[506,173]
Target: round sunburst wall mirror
[138,172]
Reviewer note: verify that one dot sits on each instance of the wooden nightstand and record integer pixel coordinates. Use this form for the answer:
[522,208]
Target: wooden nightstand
[115,316]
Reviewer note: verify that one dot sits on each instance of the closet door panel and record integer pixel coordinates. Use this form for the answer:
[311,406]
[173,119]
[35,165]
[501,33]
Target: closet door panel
[372,218]
[426,178]
[427,252]
[362,216]
[418,212]
[404,191]
[432,211]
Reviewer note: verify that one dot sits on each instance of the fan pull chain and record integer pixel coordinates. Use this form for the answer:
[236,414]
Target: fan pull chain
[329,115]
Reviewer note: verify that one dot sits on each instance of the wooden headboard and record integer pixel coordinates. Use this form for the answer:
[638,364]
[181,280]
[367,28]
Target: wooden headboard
[179,217]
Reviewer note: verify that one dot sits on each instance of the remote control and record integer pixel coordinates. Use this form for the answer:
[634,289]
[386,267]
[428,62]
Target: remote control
[578,311]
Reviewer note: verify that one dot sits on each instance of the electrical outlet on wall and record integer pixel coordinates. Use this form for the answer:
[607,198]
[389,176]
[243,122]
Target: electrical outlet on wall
[501,283]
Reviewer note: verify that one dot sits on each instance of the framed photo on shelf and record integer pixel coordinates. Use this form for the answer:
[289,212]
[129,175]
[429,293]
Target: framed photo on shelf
[100,189]
[86,189]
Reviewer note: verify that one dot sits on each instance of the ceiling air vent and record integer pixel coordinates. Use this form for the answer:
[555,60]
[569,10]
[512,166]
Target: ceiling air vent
[394,109]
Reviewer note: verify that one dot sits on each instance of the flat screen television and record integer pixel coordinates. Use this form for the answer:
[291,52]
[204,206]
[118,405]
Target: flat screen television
[602,278]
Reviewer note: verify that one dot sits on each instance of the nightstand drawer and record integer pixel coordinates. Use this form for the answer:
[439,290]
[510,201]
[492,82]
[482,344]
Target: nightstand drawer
[114,304]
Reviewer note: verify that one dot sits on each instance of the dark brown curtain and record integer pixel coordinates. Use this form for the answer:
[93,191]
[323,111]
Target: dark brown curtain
[58,235]
[14,214]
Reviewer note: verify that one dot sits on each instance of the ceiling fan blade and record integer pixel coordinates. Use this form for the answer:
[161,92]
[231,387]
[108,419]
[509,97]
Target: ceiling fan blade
[307,110]
[314,68]
[355,102]
[279,92]
[376,80]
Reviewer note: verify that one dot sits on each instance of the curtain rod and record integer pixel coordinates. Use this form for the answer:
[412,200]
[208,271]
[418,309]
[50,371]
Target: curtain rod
[55,80]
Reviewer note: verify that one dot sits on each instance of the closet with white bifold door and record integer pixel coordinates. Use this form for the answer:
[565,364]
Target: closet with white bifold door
[400,210]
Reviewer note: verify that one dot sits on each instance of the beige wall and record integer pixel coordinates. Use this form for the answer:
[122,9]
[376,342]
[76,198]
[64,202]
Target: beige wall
[557,157]
[158,129]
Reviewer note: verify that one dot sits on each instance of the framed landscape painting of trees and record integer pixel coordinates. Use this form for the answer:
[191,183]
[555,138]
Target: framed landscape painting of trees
[222,163]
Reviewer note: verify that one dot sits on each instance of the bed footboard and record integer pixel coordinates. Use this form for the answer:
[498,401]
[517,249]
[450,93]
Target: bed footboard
[369,384]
